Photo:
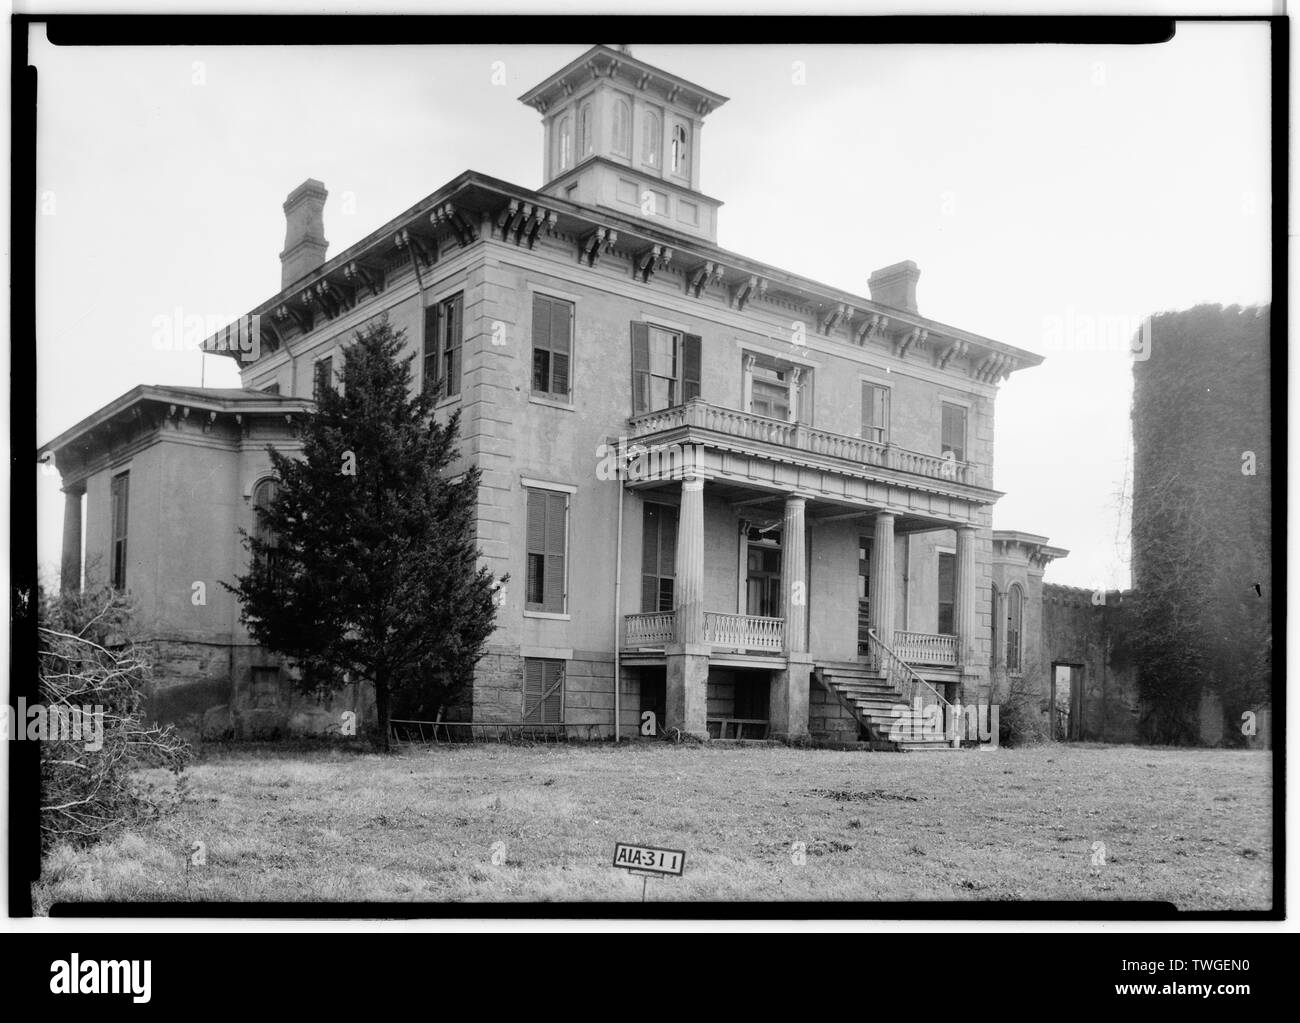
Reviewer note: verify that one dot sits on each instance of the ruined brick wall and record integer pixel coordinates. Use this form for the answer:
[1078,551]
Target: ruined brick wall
[1077,630]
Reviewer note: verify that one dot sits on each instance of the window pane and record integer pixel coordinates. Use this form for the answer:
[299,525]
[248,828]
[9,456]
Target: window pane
[541,370]
[663,353]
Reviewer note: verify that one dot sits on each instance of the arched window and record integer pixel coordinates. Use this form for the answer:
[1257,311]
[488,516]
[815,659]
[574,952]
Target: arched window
[621,129]
[681,159]
[564,144]
[997,632]
[584,130]
[653,138]
[1015,623]
[264,495]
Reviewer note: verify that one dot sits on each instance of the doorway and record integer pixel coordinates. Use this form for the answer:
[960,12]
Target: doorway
[1065,702]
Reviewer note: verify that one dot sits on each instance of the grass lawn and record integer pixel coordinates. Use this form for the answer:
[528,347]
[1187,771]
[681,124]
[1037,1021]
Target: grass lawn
[1193,827]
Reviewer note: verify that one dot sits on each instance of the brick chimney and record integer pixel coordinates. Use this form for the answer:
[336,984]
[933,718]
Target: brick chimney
[895,286]
[304,235]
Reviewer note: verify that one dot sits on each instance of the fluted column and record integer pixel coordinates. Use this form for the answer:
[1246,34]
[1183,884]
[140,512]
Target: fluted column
[688,565]
[882,578]
[794,576]
[70,568]
[964,597]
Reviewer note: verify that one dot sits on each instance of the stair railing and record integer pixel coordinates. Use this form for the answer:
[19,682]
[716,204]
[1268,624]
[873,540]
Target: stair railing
[900,674]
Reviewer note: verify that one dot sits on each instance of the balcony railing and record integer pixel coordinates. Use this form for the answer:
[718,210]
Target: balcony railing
[650,630]
[744,632]
[926,648]
[723,631]
[747,426]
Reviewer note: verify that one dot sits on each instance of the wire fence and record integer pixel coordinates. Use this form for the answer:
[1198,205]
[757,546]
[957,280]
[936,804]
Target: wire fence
[440,732]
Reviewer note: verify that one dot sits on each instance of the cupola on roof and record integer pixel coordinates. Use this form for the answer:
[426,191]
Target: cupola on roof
[625,135]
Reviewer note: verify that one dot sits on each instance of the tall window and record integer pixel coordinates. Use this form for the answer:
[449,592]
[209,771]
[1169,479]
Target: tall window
[621,129]
[429,356]
[324,376]
[552,345]
[763,581]
[584,130]
[665,368]
[264,495]
[954,432]
[681,158]
[777,389]
[997,632]
[119,494]
[652,139]
[875,413]
[543,690]
[947,592]
[771,392]
[548,534]
[658,550]
[564,144]
[1015,622]
[444,335]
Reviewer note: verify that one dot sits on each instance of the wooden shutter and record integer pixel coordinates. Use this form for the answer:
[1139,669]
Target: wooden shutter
[556,538]
[561,346]
[658,551]
[542,342]
[429,366]
[534,593]
[690,366]
[640,368]
[453,309]
[120,491]
[543,690]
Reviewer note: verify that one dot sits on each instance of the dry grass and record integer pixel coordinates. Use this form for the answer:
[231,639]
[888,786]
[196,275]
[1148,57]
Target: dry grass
[1193,827]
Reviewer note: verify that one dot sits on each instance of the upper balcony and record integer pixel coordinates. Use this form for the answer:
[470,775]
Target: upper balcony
[698,421]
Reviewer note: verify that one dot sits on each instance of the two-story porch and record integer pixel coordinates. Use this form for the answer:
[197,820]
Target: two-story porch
[773,549]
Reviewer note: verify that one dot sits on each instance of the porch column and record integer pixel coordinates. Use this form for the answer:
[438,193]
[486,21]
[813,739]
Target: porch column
[964,598]
[882,578]
[788,702]
[794,576]
[688,564]
[687,659]
[70,569]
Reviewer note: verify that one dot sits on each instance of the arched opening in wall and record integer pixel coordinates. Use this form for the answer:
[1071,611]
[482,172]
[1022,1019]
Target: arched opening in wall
[563,145]
[621,129]
[994,618]
[584,130]
[652,140]
[680,156]
[264,495]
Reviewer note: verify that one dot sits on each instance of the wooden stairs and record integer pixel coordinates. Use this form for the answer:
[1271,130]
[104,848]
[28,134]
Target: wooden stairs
[872,700]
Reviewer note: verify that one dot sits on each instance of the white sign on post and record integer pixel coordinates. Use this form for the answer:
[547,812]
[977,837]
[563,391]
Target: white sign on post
[649,862]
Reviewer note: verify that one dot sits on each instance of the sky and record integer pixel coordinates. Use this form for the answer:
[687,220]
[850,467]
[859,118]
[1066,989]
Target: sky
[1052,196]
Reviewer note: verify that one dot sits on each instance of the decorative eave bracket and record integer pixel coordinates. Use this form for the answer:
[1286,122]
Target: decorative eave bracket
[705,274]
[746,291]
[653,259]
[590,247]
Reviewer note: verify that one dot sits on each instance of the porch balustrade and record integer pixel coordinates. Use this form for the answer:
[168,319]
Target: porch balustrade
[747,426]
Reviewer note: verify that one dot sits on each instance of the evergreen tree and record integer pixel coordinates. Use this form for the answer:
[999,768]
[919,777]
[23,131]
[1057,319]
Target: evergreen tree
[364,565]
